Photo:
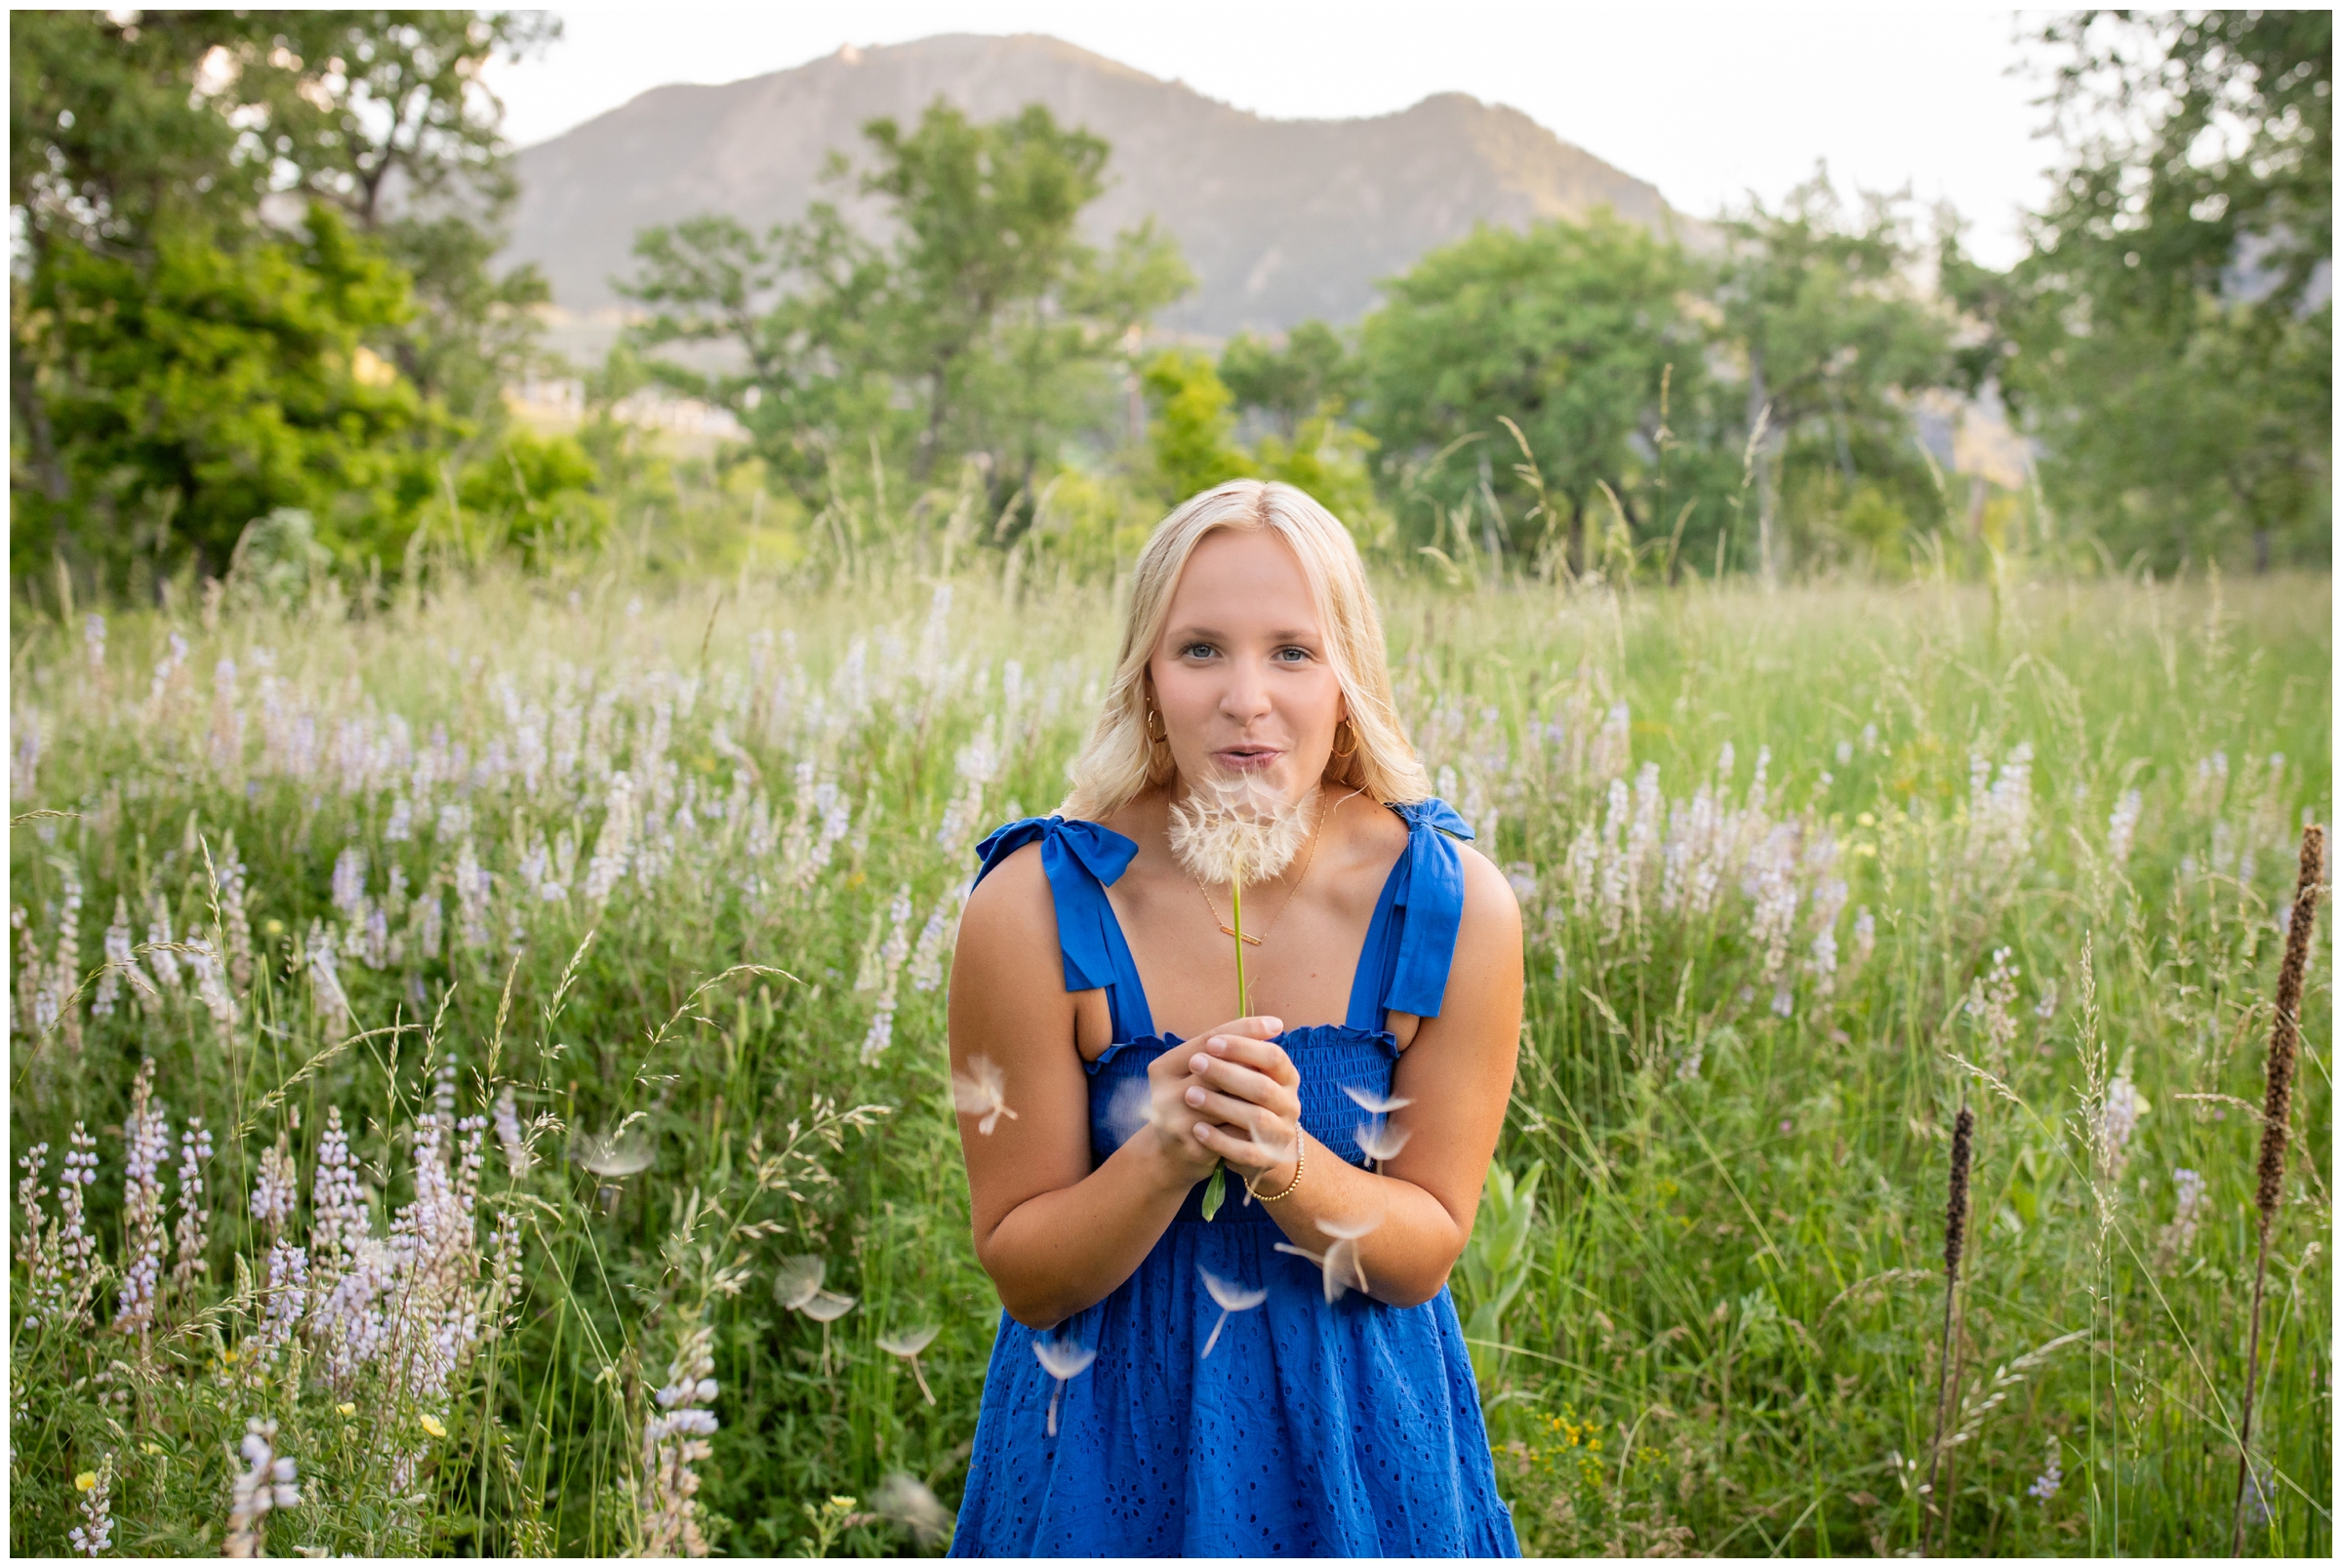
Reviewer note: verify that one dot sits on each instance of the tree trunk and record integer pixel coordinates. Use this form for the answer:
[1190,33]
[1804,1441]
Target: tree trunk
[26,392]
[1760,468]
[923,461]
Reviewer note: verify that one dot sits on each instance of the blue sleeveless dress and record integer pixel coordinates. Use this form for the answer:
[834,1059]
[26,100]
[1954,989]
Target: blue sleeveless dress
[1347,1429]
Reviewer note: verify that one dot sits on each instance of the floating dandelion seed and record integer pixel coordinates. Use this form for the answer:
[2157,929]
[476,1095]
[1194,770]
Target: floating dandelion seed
[827,1307]
[905,1500]
[1382,1140]
[1332,1263]
[908,1344]
[614,1156]
[798,1281]
[1375,1104]
[1064,1362]
[1128,1110]
[797,1286]
[1344,1253]
[981,1091]
[1232,1298]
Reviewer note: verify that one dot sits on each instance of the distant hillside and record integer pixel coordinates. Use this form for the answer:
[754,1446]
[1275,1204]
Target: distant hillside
[1281,219]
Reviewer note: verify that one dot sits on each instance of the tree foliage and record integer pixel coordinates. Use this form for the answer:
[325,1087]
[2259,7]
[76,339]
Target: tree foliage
[2167,335]
[1566,330]
[1832,340]
[254,276]
[988,328]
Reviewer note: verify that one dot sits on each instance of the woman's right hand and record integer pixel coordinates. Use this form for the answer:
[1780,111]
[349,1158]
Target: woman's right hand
[1170,1120]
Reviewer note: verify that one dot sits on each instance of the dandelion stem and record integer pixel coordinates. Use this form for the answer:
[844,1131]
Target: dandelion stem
[2284,1040]
[1235,902]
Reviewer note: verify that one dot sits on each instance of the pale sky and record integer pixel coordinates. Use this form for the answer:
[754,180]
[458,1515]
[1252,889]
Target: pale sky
[1707,104]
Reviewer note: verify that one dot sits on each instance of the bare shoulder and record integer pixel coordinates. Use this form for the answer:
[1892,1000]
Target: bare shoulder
[1491,912]
[1011,911]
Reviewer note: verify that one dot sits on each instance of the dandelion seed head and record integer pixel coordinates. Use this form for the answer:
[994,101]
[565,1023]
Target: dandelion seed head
[1238,830]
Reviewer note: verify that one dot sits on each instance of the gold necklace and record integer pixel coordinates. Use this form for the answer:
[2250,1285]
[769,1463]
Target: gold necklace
[1247,937]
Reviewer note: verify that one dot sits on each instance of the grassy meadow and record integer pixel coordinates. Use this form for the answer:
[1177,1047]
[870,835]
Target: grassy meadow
[535,973]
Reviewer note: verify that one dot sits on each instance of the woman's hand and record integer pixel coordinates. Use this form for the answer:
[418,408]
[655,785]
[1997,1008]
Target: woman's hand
[1250,1092]
[1180,1122]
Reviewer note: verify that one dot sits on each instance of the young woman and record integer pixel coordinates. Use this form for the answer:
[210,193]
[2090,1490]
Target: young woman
[1287,1376]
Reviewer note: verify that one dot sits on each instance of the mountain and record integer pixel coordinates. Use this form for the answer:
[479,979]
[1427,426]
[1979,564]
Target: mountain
[1281,219]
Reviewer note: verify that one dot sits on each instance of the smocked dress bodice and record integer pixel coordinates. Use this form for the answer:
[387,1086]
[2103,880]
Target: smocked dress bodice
[1312,1429]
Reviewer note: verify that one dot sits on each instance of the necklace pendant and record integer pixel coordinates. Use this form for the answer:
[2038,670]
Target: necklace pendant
[1245,937]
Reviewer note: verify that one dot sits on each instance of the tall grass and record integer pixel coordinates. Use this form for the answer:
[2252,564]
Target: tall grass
[550,964]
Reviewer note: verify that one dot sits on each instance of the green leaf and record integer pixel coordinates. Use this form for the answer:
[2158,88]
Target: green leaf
[1215,1191]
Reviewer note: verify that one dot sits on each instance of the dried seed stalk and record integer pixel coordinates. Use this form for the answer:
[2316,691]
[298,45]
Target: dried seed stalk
[2285,1039]
[1956,1239]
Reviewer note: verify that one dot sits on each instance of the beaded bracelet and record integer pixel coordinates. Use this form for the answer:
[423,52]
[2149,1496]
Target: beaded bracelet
[1301,1149]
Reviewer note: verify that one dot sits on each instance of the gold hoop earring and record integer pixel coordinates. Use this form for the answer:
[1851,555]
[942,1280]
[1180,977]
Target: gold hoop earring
[1353,740]
[1153,740]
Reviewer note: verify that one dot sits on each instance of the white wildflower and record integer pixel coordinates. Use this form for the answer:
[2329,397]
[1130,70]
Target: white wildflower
[265,1486]
[2121,826]
[96,1531]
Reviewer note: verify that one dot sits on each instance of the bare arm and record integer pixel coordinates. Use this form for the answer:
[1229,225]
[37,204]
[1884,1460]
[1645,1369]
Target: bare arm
[1055,1236]
[1459,1073]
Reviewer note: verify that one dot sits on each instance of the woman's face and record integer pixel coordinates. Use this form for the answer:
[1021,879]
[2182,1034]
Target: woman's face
[1240,676]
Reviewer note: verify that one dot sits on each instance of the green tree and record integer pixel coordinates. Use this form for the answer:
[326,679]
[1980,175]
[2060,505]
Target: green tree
[224,216]
[1567,329]
[1832,337]
[388,115]
[201,387]
[988,328]
[2167,335]
[1192,436]
[1314,374]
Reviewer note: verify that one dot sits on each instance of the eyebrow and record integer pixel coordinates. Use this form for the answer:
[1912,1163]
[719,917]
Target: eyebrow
[1213,634]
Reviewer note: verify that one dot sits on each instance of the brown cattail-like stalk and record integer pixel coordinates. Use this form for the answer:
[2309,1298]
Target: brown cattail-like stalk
[1956,1241]
[2277,1112]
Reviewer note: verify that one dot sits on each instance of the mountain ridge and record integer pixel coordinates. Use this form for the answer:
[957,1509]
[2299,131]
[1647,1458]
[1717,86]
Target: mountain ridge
[1281,219]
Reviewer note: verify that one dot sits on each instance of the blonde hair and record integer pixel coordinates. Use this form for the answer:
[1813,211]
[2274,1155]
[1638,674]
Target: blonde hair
[1117,763]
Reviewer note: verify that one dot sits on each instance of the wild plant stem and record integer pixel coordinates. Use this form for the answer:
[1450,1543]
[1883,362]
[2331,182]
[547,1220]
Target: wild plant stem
[1943,1410]
[2252,1365]
[2277,1115]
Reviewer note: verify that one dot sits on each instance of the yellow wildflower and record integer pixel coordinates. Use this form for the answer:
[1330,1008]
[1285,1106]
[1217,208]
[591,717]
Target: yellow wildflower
[347,1409]
[85,1480]
[430,1424]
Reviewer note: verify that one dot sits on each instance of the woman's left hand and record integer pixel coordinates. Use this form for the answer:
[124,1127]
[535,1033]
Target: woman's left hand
[1251,1088]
